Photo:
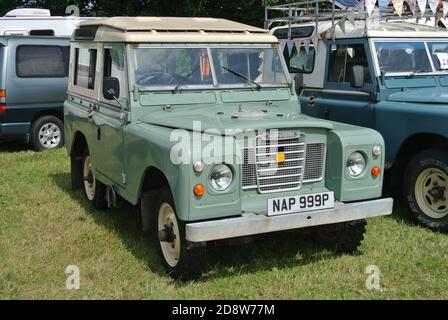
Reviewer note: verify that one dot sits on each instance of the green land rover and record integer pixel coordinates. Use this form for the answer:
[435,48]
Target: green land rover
[195,120]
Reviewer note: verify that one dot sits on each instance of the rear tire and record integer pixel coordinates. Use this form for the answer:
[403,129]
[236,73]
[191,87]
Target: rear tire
[344,237]
[94,190]
[47,133]
[425,189]
[180,258]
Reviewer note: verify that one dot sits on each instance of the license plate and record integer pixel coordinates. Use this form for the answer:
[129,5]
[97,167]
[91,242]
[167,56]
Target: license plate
[297,204]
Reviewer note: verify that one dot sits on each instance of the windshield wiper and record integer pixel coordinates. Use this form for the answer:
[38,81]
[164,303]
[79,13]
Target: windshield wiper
[182,83]
[242,76]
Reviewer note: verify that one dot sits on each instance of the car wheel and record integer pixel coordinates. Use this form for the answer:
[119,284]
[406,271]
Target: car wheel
[342,237]
[47,133]
[181,259]
[94,190]
[425,189]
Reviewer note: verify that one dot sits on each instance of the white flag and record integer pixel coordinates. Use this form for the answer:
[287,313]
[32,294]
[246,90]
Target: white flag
[298,45]
[422,6]
[398,5]
[370,5]
[341,25]
[306,43]
[433,4]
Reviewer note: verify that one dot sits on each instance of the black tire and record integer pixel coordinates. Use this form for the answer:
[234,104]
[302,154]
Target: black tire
[94,190]
[427,173]
[190,262]
[47,125]
[342,237]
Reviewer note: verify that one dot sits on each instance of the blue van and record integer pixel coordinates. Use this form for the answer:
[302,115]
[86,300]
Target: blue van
[33,87]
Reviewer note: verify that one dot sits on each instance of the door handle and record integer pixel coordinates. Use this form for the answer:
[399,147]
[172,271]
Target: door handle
[98,134]
[326,114]
[311,101]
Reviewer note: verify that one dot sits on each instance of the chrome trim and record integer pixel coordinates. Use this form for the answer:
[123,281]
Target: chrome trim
[253,224]
[280,136]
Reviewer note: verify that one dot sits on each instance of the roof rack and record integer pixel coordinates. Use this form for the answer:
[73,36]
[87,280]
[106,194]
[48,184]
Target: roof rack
[335,11]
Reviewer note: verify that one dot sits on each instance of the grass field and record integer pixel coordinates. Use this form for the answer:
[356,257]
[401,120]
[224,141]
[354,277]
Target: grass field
[45,227]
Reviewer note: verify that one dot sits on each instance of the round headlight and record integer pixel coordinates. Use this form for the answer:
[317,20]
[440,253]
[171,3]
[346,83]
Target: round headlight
[221,177]
[356,164]
[377,150]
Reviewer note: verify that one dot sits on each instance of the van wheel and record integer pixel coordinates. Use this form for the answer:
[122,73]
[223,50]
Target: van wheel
[180,258]
[426,189]
[47,133]
[342,237]
[94,190]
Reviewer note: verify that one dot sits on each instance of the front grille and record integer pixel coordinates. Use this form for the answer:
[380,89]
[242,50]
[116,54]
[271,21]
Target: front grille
[285,174]
[263,172]
[315,162]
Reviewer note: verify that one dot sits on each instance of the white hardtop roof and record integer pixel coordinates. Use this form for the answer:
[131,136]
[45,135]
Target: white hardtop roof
[173,24]
[375,29]
[173,29]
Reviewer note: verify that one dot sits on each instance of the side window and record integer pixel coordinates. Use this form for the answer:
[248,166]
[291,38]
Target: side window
[342,61]
[42,61]
[85,67]
[114,67]
[299,61]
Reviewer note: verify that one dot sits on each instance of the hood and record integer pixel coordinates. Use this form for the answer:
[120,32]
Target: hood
[221,118]
[426,95]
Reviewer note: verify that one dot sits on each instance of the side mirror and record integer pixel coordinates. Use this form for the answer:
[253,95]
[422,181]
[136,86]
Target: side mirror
[357,76]
[111,88]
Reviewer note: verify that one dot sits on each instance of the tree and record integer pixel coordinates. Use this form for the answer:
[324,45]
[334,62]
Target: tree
[245,11]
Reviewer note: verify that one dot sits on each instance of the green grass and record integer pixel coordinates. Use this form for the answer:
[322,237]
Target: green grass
[44,227]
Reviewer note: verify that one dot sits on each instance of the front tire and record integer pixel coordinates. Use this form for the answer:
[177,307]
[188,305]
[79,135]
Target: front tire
[425,189]
[181,259]
[47,133]
[344,237]
[94,190]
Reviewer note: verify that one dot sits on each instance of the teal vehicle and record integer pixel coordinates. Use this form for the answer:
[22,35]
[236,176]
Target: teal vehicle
[196,121]
[390,75]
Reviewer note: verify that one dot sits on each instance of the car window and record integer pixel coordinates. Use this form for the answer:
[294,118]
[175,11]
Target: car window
[299,61]
[162,67]
[115,67]
[439,55]
[342,61]
[402,57]
[42,61]
[85,67]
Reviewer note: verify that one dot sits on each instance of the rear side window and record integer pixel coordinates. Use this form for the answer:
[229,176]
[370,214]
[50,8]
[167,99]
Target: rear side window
[85,68]
[42,61]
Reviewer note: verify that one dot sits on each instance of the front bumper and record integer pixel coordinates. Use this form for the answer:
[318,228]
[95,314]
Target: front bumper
[252,224]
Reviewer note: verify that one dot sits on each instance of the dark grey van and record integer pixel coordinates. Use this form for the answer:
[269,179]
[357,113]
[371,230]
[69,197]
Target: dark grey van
[33,87]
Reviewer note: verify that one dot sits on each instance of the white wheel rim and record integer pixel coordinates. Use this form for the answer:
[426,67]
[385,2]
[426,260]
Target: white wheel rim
[50,135]
[170,250]
[431,192]
[87,173]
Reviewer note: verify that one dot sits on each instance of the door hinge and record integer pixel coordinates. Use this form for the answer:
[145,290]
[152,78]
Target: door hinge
[125,178]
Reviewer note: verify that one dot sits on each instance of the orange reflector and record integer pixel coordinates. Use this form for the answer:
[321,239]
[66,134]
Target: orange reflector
[281,157]
[2,93]
[376,171]
[199,190]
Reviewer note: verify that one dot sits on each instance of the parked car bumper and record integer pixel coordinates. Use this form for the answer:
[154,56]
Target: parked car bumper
[14,129]
[252,224]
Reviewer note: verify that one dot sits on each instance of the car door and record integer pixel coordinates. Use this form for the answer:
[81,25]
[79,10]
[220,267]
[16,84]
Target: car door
[111,115]
[340,100]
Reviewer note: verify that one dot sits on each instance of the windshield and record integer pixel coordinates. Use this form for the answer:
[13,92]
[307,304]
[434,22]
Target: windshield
[176,68]
[395,57]
[439,55]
